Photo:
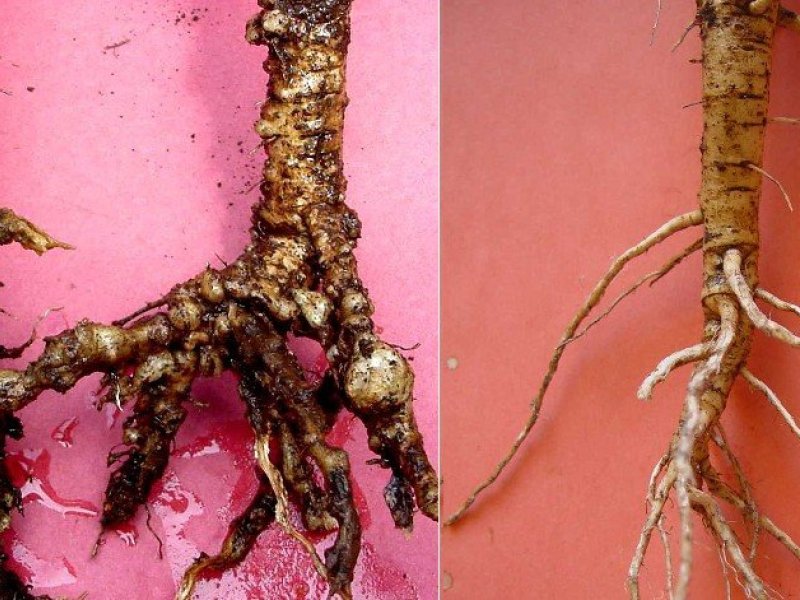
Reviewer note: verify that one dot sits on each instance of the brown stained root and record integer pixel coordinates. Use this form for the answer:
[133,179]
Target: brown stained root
[299,478]
[10,499]
[275,382]
[241,538]
[399,497]
[149,432]
[298,275]
[376,380]
[737,39]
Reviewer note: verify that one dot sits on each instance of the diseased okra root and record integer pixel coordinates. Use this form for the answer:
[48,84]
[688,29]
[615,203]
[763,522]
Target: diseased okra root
[14,228]
[10,585]
[737,41]
[297,275]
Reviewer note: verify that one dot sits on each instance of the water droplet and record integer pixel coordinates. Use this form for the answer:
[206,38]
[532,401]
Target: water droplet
[234,439]
[176,507]
[203,446]
[30,470]
[38,572]
[63,433]
[380,578]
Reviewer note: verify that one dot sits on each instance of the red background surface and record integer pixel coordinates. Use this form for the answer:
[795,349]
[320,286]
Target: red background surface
[140,157]
[564,143]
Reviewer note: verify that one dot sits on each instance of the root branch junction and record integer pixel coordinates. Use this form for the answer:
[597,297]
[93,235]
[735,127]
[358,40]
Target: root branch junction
[737,41]
[297,276]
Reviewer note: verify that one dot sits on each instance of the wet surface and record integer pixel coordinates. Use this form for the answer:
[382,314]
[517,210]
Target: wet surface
[114,183]
[30,472]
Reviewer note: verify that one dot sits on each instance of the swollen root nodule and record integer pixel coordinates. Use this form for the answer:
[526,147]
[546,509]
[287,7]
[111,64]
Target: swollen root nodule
[298,275]
[737,40]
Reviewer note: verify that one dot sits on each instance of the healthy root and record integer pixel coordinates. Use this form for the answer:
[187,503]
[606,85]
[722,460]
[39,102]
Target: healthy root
[670,227]
[299,276]
[737,40]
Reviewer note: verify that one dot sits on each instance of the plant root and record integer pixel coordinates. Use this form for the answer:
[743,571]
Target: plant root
[662,533]
[652,278]
[762,387]
[672,226]
[737,41]
[715,520]
[785,120]
[789,19]
[671,362]
[738,283]
[782,189]
[244,532]
[14,228]
[297,276]
[777,302]
[282,504]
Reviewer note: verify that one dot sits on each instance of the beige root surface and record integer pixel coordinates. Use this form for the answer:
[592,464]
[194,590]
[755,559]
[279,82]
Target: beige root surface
[737,40]
[297,277]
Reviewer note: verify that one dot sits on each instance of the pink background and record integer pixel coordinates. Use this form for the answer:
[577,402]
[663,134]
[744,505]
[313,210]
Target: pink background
[564,143]
[140,157]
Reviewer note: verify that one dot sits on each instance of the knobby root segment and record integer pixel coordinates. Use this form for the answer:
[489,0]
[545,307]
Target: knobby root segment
[670,227]
[298,276]
[14,228]
[737,40]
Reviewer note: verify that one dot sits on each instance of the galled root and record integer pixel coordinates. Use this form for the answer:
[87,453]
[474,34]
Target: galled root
[274,389]
[149,433]
[737,39]
[14,228]
[298,275]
